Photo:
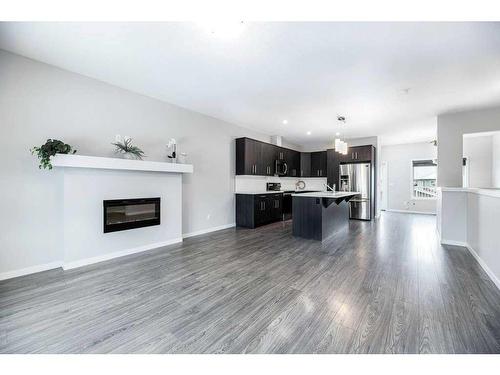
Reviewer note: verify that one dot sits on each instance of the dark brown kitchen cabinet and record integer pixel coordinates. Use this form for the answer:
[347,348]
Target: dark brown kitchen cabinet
[248,156]
[280,153]
[275,202]
[318,164]
[333,167]
[358,154]
[259,158]
[364,153]
[269,154]
[305,164]
[253,210]
[292,159]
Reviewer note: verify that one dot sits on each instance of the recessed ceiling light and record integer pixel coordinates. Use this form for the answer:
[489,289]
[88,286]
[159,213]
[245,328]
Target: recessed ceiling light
[337,134]
[285,122]
[309,133]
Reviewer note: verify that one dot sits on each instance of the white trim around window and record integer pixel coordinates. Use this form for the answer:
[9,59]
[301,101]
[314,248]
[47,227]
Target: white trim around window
[412,197]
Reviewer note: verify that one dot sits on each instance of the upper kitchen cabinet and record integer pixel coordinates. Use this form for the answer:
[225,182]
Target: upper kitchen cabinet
[359,154]
[249,157]
[318,164]
[292,159]
[305,164]
[259,158]
[269,155]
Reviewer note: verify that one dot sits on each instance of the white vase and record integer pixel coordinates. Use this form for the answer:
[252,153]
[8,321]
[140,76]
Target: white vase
[129,156]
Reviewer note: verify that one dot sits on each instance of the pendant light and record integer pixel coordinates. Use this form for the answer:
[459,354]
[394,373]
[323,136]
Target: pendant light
[341,145]
[336,144]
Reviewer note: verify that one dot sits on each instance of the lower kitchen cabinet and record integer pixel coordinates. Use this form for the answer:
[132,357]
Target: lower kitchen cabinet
[253,210]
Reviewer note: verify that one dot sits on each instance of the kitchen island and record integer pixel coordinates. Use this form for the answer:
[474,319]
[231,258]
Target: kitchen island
[320,215]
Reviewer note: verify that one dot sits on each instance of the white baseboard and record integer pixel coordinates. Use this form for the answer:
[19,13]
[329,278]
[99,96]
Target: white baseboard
[118,254]
[483,265]
[102,258]
[481,262]
[410,212]
[30,270]
[208,230]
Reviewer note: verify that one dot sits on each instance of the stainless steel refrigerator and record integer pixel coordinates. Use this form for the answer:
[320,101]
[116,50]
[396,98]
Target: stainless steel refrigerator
[357,177]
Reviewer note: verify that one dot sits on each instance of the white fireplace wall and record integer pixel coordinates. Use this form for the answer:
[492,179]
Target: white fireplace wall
[38,101]
[84,192]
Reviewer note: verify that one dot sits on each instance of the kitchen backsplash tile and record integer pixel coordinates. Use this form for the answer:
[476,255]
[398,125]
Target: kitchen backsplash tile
[258,183]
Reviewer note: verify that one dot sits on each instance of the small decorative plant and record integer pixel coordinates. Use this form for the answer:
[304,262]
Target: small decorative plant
[49,149]
[125,147]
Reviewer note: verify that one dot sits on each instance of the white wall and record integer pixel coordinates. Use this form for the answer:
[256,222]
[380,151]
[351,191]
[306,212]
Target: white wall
[84,191]
[399,179]
[482,231]
[479,154]
[451,217]
[38,101]
[469,217]
[495,163]
[451,128]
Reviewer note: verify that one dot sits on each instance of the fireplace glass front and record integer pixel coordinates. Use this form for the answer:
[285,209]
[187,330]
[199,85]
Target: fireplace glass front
[123,214]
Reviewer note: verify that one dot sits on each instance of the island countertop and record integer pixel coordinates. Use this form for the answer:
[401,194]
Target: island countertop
[327,194]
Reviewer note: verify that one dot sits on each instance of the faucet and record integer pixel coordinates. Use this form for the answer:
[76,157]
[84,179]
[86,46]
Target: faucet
[300,185]
[328,187]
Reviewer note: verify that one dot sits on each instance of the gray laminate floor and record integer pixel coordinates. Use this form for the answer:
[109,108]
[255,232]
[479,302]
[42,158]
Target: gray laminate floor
[383,287]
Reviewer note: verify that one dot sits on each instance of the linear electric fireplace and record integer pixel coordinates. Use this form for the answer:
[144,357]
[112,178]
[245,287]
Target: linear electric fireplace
[123,214]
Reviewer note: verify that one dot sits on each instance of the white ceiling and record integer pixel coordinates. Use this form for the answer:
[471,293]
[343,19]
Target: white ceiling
[306,73]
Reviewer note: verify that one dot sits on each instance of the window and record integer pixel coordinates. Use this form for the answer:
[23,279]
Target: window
[424,175]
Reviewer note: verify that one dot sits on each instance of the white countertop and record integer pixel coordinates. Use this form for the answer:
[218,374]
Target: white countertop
[490,192]
[258,192]
[327,194]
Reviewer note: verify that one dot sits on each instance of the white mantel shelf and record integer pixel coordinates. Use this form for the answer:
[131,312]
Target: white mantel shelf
[95,162]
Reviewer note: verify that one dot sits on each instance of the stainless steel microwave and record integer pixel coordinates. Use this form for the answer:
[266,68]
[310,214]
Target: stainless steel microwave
[280,168]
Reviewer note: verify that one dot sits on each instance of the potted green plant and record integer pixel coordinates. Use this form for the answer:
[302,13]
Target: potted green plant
[49,149]
[127,149]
